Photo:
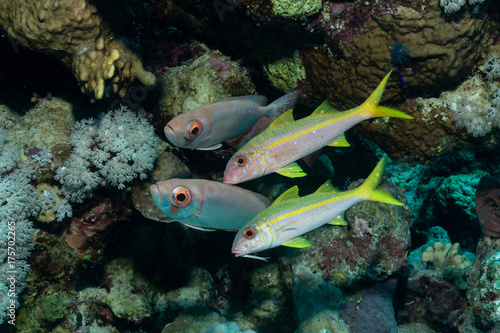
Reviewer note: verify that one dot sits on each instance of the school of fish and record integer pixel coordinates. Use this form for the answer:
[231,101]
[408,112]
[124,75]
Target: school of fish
[268,140]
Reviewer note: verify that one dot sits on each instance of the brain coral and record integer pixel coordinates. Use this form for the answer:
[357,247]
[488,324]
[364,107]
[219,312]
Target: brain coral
[81,34]
[439,51]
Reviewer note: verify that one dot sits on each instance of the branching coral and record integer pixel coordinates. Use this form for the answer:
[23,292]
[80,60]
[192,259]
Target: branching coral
[445,255]
[81,34]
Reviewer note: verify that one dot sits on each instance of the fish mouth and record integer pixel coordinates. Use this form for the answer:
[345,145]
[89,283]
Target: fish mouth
[237,252]
[228,180]
[169,133]
[155,192]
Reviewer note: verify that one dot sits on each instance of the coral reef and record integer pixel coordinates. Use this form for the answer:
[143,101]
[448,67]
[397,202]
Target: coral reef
[81,34]
[316,302]
[445,255]
[372,248]
[99,265]
[117,148]
[364,59]
[18,202]
[436,296]
[371,309]
[208,77]
[441,125]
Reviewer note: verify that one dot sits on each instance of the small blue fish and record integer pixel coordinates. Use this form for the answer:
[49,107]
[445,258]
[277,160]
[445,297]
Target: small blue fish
[206,126]
[207,205]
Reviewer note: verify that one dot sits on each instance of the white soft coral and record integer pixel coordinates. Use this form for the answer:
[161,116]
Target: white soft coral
[492,66]
[471,117]
[453,6]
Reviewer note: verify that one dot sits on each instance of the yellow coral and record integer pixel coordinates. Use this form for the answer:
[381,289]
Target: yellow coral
[76,32]
[445,255]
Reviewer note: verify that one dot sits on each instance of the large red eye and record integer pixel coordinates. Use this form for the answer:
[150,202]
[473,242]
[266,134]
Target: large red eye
[181,197]
[240,160]
[249,233]
[194,129]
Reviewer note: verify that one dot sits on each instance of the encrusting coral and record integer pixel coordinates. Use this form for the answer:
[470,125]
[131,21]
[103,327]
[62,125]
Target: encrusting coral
[445,255]
[80,34]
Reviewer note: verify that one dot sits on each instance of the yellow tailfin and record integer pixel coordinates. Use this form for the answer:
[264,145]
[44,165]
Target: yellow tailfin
[369,190]
[371,107]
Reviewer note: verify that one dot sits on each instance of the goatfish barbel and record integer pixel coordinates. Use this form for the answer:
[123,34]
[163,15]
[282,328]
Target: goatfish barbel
[207,205]
[286,140]
[291,216]
[206,126]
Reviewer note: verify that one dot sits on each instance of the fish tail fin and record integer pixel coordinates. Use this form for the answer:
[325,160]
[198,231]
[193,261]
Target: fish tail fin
[371,108]
[282,104]
[369,189]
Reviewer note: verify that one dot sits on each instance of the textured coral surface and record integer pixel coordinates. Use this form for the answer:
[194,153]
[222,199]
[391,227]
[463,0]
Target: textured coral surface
[82,35]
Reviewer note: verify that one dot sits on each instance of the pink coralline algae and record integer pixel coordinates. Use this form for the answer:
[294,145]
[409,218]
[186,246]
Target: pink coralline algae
[434,300]
[343,22]
[86,232]
[219,66]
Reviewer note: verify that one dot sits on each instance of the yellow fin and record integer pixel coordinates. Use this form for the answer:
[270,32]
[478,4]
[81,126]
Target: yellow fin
[327,187]
[291,193]
[369,190]
[285,118]
[299,242]
[292,170]
[340,141]
[325,108]
[339,220]
[371,107]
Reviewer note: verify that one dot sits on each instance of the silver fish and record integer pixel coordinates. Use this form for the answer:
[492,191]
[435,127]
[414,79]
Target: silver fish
[206,126]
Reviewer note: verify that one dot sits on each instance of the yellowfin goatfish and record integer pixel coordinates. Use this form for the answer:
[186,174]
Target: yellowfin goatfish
[287,140]
[291,216]
[206,126]
[207,205]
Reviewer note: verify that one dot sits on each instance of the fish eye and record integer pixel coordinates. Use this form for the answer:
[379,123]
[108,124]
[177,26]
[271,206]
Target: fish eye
[249,233]
[240,160]
[194,129]
[181,197]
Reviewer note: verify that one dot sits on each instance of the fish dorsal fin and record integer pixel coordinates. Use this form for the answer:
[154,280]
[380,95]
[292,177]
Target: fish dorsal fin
[299,242]
[292,170]
[258,99]
[291,193]
[325,108]
[285,118]
[339,220]
[327,187]
[340,141]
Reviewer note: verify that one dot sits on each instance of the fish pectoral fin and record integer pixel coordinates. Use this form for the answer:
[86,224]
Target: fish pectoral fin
[291,193]
[340,141]
[298,242]
[339,220]
[216,146]
[292,170]
[199,228]
[325,108]
[285,118]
